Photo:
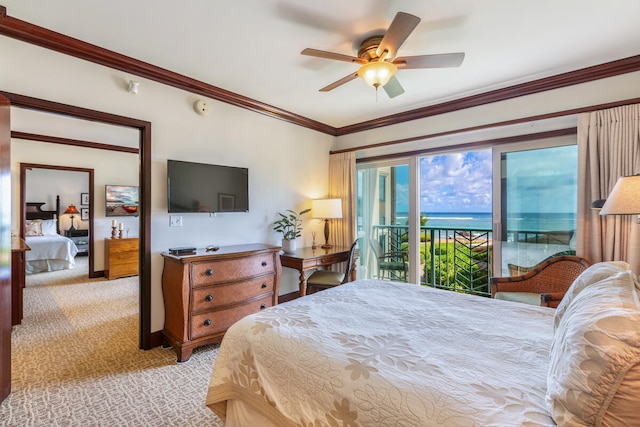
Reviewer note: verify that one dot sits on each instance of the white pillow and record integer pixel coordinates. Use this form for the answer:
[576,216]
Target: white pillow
[593,274]
[594,362]
[49,227]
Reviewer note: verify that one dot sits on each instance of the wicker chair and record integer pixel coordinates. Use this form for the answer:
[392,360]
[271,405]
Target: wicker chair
[544,285]
[323,279]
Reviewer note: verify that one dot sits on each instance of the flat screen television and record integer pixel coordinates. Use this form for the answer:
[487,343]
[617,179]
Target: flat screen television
[121,200]
[201,187]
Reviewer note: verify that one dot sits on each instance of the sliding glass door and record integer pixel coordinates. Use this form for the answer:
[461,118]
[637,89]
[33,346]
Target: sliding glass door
[452,220]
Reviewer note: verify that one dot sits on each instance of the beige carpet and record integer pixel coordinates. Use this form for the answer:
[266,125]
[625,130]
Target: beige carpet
[76,360]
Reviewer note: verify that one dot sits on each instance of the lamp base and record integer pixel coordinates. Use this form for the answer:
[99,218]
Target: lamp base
[326,246]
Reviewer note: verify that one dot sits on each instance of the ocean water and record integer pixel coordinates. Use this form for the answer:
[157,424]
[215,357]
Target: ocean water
[536,222]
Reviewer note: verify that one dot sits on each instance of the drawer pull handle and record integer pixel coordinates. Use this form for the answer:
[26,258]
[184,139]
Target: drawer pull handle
[207,322]
[264,285]
[209,298]
[208,272]
[263,306]
[264,263]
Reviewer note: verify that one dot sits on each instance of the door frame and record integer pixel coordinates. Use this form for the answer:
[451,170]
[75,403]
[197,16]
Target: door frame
[23,202]
[147,340]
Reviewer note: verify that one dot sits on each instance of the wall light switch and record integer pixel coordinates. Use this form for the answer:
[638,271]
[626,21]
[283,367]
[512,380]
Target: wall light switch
[175,221]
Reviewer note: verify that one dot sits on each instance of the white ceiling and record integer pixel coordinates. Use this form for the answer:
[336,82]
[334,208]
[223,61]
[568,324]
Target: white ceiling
[252,47]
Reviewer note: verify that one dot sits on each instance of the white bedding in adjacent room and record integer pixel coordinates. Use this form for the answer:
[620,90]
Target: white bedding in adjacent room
[386,354]
[49,252]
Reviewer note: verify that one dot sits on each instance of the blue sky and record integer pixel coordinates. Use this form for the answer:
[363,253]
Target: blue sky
[462,182]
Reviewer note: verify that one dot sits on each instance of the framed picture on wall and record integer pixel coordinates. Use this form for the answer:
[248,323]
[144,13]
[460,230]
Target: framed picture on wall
[84,199]
[84,213]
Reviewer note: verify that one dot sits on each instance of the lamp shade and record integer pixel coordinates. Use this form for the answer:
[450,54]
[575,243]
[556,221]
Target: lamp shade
[624,198]
[327,208]
[377,74]
[71,210]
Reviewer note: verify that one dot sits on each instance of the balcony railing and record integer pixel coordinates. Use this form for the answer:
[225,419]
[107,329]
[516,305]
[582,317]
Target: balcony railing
[453,259]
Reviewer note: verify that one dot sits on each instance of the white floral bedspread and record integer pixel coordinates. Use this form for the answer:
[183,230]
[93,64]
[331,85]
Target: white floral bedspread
[377,353]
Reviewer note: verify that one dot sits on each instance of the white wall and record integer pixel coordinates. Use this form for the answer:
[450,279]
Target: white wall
[288,164]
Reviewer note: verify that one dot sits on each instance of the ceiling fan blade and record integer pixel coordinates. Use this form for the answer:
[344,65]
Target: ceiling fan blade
[331,55]
[444,60]
[401,26]
[393,87]
[340,82]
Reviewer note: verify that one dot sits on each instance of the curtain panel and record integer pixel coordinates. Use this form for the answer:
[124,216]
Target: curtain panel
[608,148]
[342,184]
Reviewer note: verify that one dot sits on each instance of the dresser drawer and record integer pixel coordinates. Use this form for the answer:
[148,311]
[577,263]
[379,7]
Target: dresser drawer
[122,270]
[123,257]
[212,322]
[206,298]
[228,270]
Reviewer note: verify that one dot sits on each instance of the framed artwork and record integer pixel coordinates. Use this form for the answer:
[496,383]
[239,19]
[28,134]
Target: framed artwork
[226,202]
[84,199]
[121,200]
[84,214]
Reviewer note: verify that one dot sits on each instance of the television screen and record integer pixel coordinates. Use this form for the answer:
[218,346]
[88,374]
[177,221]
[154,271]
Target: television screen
[121,200]
[200,187]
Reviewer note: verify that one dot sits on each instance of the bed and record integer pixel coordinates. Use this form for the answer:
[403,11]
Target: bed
[380,353]
[50,251]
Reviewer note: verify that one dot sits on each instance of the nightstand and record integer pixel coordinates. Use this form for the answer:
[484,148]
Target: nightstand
[81,239]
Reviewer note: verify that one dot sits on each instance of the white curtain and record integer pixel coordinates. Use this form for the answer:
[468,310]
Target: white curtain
[608,148]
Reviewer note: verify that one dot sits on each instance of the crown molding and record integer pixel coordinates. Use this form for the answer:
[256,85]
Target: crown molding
[33,34]
[39,36]
[596,72]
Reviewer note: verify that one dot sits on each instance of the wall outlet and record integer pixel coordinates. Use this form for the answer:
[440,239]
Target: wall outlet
[175,221]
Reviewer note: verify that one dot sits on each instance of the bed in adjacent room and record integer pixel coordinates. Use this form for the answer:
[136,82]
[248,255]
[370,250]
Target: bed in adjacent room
[380,353]
[50,251]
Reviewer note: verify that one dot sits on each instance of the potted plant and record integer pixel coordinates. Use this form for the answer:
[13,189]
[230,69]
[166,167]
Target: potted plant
[290,225]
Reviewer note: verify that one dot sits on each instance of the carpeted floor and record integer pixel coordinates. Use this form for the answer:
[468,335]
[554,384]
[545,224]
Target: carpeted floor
[76,362]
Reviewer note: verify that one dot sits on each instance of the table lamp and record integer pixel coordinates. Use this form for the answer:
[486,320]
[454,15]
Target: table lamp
[624,198]
[71,210]
[326,209]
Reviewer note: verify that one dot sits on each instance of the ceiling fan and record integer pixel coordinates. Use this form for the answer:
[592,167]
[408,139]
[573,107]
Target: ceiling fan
[378,61]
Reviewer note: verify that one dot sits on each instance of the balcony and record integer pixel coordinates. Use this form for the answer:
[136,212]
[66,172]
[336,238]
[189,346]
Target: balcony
[457,259]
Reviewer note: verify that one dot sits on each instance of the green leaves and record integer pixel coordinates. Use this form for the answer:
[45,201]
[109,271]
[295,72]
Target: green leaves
[290,225]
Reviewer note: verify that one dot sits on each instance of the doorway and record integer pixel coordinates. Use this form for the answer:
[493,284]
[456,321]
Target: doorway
[147,340]
[49,192]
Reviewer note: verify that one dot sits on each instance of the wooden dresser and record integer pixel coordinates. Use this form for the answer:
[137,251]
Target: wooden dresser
[121,258]
[207,292]
[18,265]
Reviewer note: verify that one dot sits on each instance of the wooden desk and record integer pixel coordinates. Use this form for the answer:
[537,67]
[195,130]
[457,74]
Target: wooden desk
[304,259]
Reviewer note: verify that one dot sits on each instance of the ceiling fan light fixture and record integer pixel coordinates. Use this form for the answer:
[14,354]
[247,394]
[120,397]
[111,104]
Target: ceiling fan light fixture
[378,73]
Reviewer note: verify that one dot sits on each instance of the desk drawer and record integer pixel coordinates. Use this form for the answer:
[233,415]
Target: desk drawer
[206,298]
[229,270]
[216,321]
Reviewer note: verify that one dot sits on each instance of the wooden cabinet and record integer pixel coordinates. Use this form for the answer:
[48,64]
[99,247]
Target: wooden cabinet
[207,292]
[81,239]
[121,258]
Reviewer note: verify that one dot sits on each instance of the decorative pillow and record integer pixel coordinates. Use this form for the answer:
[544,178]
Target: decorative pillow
[593,274]
[33,228]
[49,227]
[594,363]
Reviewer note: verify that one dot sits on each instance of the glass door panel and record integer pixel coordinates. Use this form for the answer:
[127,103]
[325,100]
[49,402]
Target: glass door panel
[383,222]
[537,198]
